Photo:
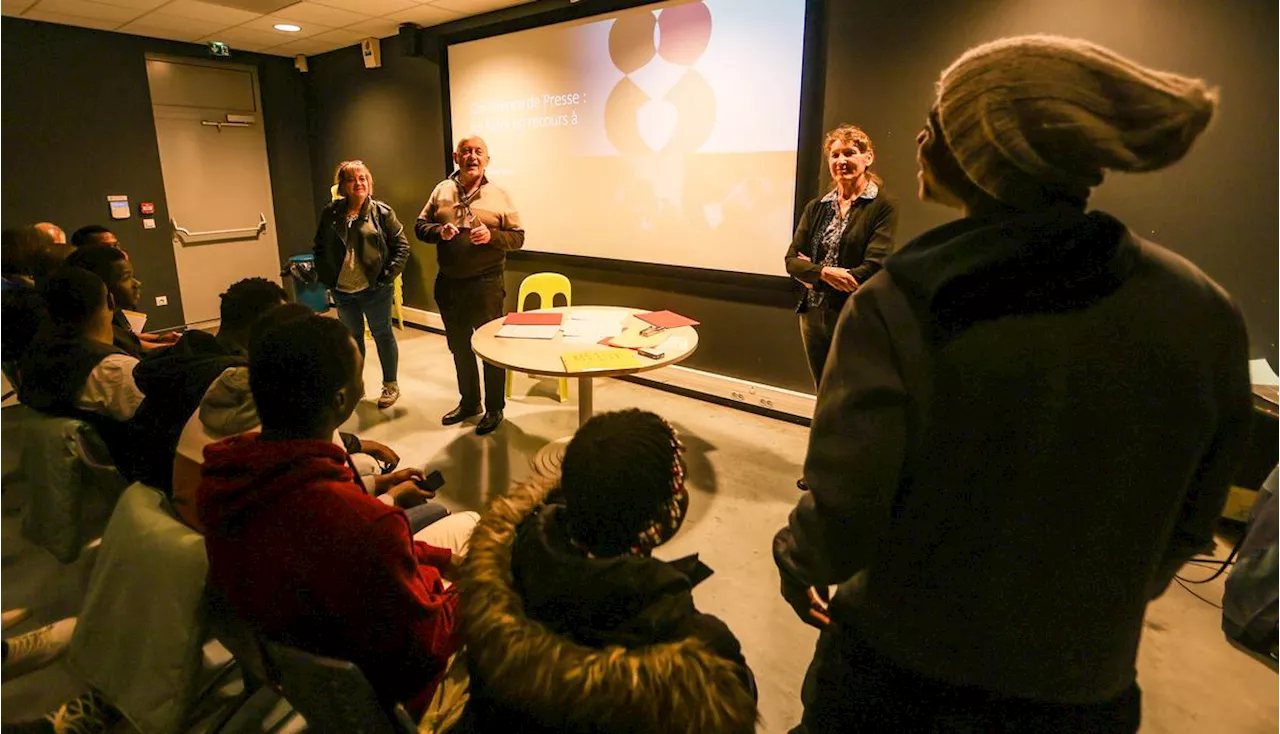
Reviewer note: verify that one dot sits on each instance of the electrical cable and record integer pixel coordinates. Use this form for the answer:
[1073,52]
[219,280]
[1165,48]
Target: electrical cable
[1231,558]
[1193,593]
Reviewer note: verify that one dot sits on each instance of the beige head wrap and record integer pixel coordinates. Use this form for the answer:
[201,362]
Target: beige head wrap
[1040,117]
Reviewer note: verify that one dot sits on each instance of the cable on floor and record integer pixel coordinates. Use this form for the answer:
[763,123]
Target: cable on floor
[1193,593]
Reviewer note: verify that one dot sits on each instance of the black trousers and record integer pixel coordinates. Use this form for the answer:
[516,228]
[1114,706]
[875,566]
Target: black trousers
[465,305]
[817,329]
[851,687]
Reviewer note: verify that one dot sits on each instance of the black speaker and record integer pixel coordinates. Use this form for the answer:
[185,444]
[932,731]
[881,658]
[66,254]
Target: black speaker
[410,39]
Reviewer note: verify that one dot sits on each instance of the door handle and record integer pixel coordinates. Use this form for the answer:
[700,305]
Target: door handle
[187,235]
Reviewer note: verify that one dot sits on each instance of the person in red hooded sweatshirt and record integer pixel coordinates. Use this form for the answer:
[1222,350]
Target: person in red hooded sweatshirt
[298,549]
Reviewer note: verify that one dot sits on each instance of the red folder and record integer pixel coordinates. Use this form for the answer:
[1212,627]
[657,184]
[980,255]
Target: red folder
[534,319]
[666,319]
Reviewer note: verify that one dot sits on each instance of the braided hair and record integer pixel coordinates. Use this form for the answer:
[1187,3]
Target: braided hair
[623,483]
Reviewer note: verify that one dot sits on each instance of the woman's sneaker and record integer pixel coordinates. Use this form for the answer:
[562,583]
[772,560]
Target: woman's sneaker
[36,649]
[390,394]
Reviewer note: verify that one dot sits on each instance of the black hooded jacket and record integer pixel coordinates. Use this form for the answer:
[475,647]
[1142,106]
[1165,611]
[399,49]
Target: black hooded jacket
[174,381]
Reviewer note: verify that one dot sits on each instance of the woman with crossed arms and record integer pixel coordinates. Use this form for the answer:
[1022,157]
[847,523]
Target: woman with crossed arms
[841,241]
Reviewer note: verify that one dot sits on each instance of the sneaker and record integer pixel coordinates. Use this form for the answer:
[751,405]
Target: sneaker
[390,394]
[88,714]
[36,649]
[10,617]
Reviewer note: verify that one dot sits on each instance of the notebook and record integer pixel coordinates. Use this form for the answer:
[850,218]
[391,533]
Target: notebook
[666,319]
[534,319]
[528,331]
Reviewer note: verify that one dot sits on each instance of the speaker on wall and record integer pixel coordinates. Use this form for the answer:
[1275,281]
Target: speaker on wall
[410,39]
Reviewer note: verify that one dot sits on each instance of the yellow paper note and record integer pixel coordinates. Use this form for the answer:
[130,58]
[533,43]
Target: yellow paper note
[600,359]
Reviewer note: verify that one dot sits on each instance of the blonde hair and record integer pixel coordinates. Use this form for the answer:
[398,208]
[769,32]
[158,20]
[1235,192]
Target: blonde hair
[346,171]
[853,135]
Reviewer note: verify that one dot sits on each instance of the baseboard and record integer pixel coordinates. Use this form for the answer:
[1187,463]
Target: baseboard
[730,391]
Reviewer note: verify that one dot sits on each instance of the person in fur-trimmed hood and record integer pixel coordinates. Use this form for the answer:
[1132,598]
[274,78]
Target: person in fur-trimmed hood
[571,626]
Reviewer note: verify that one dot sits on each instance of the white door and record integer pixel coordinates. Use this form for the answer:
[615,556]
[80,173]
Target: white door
[213,155]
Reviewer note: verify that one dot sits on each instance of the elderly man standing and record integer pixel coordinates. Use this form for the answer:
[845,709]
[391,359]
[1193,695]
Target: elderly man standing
[473,224]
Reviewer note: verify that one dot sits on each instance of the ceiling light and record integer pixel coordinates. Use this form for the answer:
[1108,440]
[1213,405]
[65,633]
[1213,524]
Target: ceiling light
[287,27]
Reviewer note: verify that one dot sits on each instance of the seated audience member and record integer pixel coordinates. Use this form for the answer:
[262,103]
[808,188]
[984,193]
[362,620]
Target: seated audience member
[53,233]
[24,316]
[72,369]
[94,234]
[551,590]
[289,529]
[54,249]
[111,265]
[114,267]
[227,409]
[1030,419]
[175,380]
[19,251]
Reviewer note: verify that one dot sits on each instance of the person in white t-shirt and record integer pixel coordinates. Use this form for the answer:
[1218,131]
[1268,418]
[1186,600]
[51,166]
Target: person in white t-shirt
[72,369]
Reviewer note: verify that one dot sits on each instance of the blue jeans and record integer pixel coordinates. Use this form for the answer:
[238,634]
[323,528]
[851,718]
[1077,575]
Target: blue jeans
[425,514]
[373,304]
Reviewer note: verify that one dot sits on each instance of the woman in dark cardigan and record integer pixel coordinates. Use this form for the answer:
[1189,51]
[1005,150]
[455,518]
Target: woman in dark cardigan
[841,241]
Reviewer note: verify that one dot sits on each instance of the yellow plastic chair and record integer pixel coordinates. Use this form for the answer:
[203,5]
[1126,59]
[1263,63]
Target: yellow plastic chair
[546,286]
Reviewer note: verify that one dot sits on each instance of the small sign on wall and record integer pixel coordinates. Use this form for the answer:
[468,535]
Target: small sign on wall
[147,208]
[119,206]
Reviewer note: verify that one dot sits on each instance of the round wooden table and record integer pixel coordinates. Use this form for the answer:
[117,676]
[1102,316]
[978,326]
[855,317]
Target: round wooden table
[543,357]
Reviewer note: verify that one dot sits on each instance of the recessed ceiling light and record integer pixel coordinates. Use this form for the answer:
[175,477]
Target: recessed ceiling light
[287,27]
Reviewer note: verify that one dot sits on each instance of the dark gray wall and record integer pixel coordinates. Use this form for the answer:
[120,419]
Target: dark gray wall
[1218,207]
[77,127]
[390,119]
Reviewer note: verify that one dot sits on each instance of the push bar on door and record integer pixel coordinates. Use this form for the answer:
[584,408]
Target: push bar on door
[221,234]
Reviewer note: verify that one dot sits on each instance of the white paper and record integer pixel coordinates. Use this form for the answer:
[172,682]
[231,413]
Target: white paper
[136,320]
[675,345]
[591,326]
[1261,373]
[528,331]
[597,316]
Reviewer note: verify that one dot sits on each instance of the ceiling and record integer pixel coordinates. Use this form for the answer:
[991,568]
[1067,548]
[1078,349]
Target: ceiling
[247,25]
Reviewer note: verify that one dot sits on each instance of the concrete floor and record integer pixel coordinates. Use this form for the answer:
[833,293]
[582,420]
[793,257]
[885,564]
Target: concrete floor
[742,471]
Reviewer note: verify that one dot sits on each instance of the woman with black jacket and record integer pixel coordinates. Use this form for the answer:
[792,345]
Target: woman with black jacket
[360,249]
[841,241]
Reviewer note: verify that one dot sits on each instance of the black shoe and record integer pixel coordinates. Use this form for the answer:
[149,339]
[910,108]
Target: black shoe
[489,423]
[458,415]
[800,485]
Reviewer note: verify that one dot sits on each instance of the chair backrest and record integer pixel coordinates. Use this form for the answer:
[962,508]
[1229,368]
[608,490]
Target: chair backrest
[72,485]
[547,286]
[144,656]
[332,695]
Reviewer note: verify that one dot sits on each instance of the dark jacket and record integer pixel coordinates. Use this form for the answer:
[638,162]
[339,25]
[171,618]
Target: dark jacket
[302,554]
[558,642]
[54,371]
[384,248]
[1028,423]
[174,381]
[124,337]
[866,242]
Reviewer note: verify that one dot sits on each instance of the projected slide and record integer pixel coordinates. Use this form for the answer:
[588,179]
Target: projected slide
[661,134]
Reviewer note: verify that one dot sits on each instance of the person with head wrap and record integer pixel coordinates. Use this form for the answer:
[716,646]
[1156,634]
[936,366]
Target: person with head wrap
[1029,420]
[571,625]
